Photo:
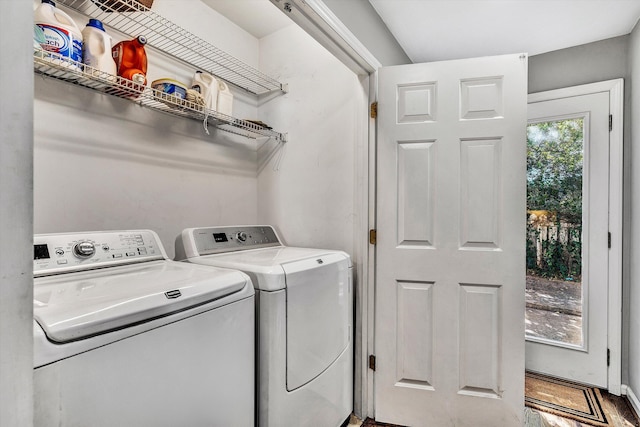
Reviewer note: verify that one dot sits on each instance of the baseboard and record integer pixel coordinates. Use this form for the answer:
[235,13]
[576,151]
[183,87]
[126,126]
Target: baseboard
[633,399]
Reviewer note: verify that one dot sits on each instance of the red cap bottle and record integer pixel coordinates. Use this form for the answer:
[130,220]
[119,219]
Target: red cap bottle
[131,59]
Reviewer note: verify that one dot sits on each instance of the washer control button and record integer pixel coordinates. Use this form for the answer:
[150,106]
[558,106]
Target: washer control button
[241,236]
[84,249]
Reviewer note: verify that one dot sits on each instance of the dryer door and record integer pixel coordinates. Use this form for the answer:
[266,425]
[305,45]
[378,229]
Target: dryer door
[318,315]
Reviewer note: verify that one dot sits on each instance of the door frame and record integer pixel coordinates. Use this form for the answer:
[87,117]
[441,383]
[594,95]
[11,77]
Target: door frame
[615,88]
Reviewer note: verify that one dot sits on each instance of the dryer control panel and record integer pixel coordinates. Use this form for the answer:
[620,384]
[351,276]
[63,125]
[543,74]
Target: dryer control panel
[213,240]
[60,253]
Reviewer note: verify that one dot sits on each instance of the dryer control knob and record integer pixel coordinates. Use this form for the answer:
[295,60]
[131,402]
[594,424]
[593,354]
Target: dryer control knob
[84,249]
[242,236]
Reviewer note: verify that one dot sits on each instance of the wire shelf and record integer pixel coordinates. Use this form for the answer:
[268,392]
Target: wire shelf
[134,19]
[54,65]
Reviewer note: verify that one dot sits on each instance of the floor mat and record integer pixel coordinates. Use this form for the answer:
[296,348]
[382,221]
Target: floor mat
[566,399]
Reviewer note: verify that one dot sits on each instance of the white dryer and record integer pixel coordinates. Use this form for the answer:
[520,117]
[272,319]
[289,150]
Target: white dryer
[125,337]
[304,321]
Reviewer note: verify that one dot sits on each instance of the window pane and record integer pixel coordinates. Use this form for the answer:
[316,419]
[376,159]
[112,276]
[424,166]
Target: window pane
[555,154]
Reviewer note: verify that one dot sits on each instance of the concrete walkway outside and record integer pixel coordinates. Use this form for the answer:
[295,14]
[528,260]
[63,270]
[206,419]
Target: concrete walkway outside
[554,310]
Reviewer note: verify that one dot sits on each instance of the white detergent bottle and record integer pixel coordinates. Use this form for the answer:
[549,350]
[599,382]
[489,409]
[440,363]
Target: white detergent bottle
[96,51]
[207,86]
[225,99]
[62,35]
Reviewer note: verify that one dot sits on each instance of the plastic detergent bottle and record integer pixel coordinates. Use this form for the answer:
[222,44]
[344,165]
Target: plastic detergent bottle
[62,35]
[207,86]
[131,59]
[225,99]
[38,38]
[96,49]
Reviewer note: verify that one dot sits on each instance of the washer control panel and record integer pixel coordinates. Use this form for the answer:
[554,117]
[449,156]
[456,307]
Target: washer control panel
[57,253]
[212,240]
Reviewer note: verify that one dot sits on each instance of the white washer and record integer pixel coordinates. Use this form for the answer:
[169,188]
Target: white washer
[304,313]
[125,337]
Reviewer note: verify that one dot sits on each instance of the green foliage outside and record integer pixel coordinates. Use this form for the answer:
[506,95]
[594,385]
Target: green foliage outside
[554,184]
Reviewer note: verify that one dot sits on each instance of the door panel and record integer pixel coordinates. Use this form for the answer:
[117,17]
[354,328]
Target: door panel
[415,335]
[415,193]
[450,253]
[480,209]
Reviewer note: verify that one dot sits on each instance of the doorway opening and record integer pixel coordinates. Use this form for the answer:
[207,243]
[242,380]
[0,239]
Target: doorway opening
[555,158]
[574,188]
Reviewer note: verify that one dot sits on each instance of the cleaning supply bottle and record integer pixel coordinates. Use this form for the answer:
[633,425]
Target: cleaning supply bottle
[225,99]
[62,35]
[38,38]
[131,59]
[96,50]
[207,86]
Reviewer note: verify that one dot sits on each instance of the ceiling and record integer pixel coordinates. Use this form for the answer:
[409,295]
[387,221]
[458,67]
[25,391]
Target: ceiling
[433,30]
[258,17]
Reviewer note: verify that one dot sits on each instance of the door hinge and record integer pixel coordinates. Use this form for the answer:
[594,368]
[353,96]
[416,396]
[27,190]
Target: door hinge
[372,362]
[374,110]
[609,240]
[608,357]
[610,122]
[373,236]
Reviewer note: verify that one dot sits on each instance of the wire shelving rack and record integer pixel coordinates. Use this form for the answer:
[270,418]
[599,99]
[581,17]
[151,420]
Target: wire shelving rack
[133,18]
[61,68]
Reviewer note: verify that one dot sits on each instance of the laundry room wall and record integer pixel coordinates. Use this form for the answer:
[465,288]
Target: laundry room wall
[634,231]
[16,248]
[106,163]
[360,17]
[587,63]
[307,187]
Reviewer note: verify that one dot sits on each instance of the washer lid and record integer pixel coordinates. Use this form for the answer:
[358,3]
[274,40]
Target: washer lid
[74,306]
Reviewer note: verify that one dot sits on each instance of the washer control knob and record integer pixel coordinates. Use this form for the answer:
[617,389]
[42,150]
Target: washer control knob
[241,236]
[84,249]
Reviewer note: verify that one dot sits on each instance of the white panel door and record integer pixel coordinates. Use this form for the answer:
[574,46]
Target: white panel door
[450,254]
[586,360]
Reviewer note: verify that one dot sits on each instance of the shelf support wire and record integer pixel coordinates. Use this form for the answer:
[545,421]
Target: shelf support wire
[205,124]
[281,151]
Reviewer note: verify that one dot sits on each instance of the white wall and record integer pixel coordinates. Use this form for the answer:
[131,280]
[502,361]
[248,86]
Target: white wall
[365,23]
[312,197]
[16,249]
[202,21]
[634,291]
[587,63]
[105,163]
